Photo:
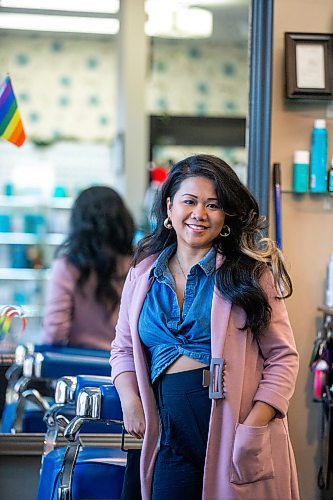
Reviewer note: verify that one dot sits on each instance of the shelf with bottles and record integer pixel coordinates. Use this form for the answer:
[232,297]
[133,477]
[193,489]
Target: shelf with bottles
[25,288]
[20,255]
[24,273]
[37,216]
[30,229]
[310,202]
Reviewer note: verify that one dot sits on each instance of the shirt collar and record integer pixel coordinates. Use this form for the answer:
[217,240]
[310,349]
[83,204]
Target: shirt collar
[207,263]
[161,263]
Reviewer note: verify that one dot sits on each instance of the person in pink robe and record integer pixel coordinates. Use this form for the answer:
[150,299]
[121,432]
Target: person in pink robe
[89,272]
[248,455]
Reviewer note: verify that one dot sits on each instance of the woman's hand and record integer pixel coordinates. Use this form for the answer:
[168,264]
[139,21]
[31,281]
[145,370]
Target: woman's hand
[260,415]
[134,419]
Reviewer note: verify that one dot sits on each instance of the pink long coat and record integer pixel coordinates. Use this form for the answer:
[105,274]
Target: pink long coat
[242,462]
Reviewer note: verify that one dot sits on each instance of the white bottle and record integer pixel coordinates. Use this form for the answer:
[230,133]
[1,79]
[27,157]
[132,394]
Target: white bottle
[329,286]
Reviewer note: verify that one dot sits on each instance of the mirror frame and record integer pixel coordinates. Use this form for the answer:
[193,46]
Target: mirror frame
[260,96]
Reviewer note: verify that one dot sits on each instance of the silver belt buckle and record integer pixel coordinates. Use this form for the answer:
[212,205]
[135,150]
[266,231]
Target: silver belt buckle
[214,378]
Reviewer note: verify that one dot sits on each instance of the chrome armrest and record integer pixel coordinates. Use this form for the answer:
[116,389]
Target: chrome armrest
[88,407]
[64,395]
[65,390]
[27,395]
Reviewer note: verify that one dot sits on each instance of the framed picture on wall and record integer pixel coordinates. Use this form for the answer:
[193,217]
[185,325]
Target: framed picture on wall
[309,65]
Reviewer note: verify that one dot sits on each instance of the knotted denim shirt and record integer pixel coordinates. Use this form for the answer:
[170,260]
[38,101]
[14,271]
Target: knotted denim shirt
[167,334]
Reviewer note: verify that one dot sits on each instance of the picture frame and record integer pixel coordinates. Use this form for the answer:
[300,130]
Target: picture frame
[309,65]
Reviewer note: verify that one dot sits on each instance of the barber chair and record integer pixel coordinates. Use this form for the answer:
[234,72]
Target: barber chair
[79,472]
[58,416]
[30,395]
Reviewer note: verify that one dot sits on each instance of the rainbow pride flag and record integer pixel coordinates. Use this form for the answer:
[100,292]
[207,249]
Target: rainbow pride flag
[11,126]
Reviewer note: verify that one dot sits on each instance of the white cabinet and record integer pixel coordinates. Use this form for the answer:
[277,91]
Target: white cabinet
[31,228]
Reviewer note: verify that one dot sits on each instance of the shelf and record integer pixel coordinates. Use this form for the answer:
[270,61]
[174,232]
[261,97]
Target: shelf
[310,202]
[60,203]
[54,238]
[23,274]
[35,202]
[308,193]
[32,226]
[31,239]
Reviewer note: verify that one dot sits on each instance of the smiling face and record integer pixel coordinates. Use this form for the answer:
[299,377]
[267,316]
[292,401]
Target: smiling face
[195,213]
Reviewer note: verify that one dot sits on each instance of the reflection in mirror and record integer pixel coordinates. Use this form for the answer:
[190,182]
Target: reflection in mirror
[65,84]
[199,79]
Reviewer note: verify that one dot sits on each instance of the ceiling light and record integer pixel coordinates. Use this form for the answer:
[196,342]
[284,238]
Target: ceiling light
[71,24]
[194,22]
[97,6]
[169,20]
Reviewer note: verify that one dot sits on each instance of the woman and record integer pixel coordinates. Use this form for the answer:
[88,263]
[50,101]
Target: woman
[206,290]
[88,275]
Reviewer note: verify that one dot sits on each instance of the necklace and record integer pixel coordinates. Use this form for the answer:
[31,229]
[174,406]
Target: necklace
[181,267]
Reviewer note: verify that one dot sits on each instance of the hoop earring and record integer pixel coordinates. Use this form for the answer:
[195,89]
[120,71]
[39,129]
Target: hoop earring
[167,223]
[226,231]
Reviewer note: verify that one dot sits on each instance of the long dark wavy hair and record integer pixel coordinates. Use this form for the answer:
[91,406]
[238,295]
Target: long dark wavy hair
[247,253]
[101,230]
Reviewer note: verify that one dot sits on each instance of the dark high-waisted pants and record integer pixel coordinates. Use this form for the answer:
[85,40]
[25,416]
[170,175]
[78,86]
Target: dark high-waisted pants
[184,408]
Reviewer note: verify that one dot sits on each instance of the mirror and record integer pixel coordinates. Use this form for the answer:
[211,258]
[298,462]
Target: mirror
[190,80]
[198,88]
[196,82]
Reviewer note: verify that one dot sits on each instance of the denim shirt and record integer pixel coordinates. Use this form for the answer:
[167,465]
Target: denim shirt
[165,333]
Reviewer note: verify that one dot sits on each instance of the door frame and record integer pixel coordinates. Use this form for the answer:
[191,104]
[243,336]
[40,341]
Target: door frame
[260,96]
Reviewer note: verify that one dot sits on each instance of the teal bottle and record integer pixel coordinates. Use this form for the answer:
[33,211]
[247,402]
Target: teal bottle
[318,168]
[301,171]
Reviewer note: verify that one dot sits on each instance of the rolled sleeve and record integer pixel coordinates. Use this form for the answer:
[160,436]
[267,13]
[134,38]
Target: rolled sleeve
[281,360]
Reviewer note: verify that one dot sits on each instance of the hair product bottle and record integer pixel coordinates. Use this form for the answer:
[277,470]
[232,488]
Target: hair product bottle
[318,167]
[301,171]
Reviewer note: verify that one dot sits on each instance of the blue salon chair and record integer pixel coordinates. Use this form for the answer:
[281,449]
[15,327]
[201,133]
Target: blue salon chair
[31,394]
[80,472]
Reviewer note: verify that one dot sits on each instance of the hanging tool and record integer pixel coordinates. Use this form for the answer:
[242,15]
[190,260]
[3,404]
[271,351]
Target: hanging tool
[277,203]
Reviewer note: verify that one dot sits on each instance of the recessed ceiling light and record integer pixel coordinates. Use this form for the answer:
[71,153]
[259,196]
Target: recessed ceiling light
[172,20]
